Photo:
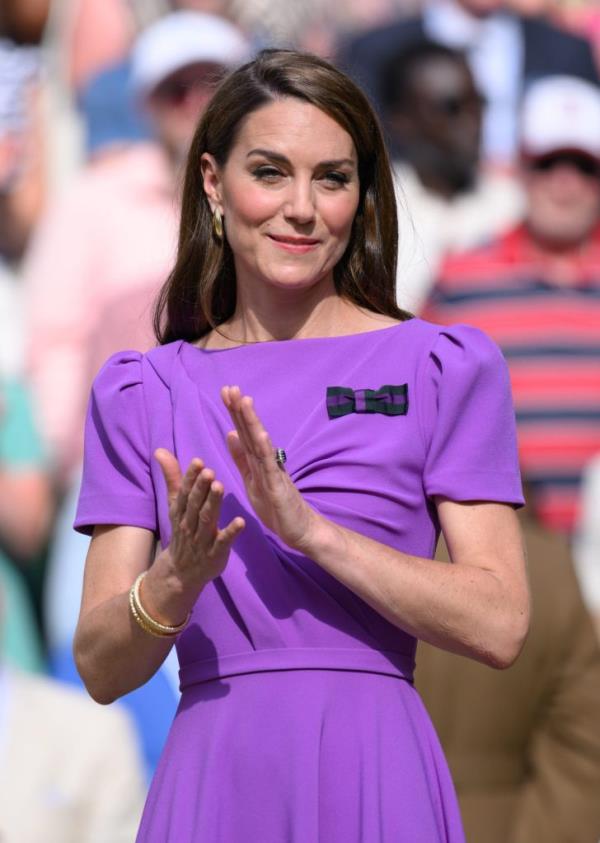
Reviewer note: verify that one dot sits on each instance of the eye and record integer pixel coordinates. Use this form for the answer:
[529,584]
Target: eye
[266,172]
[335,178]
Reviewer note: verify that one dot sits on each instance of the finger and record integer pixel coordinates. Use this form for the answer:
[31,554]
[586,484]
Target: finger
[225,396]
[227,536]
[245,412]
[236,417]
[238,454]
[187,484]
[197,498]
[262,446]
[170,469]
[208,516]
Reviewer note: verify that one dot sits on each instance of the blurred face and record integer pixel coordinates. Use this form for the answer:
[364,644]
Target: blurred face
[288,193]
[564,197]
[177,103]
[441,127]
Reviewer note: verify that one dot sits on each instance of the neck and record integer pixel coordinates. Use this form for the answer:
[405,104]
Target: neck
[263,314]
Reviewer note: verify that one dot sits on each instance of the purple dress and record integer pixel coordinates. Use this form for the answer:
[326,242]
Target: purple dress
[298,719]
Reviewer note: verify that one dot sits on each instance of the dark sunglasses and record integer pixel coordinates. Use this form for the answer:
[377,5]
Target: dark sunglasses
[453,106]
[178,87]
[584,164]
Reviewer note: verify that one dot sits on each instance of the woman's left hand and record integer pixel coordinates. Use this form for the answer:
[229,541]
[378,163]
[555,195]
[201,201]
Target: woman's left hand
[274,497]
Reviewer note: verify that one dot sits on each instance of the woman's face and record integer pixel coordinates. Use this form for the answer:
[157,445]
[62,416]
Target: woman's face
[288,194]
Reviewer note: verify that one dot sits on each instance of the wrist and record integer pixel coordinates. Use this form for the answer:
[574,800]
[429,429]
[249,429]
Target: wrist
[319,538]
[166,594]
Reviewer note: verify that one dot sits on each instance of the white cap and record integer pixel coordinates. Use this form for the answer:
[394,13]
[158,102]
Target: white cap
[561,113]
[180,39]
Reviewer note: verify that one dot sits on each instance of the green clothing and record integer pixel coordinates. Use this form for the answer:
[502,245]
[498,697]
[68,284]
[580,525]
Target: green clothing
[20,448]
[20,445]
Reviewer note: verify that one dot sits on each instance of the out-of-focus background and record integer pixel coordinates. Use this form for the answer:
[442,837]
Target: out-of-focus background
[491,111]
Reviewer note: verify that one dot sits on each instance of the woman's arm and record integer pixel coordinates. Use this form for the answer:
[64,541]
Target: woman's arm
[114,655]
[478,606]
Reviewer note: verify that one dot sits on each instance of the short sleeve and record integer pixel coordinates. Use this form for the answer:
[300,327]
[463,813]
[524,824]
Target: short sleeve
[116,486]
[468,419]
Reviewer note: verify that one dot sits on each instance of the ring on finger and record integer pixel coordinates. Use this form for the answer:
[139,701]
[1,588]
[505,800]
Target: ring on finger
[280,457]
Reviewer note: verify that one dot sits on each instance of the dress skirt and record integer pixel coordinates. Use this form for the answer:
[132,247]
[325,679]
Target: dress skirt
[302,756]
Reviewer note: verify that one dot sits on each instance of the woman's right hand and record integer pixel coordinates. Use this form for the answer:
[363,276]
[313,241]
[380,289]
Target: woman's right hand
[198,549]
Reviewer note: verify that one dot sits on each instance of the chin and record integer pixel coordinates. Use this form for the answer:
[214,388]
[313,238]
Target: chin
[294,277]
[563,233]
[294,282]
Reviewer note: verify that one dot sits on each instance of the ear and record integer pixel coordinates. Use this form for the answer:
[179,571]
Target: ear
[211,178]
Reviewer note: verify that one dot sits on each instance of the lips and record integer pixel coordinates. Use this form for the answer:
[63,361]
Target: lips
[294,245]
[294,241]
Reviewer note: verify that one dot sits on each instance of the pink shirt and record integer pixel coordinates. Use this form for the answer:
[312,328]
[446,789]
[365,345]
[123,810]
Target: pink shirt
[113,232]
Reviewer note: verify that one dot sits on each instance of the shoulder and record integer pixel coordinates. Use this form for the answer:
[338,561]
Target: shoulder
[551,49]
[446,342]
[540,27]
[127,368]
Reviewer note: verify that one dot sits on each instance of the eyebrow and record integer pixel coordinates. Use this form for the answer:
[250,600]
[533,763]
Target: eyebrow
[277,156]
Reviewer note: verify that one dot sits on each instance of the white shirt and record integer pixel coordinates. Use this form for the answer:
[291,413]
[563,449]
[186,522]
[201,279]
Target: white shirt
[586,547]
[431,226]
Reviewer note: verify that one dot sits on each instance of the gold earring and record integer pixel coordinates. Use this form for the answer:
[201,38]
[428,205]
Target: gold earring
[217,224]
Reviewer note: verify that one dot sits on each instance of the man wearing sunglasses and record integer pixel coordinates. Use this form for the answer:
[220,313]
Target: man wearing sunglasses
[448,201]
[536,291]
[506,52]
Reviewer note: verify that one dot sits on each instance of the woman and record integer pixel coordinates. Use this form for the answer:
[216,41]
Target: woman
[296,589]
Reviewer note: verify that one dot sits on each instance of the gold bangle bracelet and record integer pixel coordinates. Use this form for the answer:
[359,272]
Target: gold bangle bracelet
[146,621]
[140,621]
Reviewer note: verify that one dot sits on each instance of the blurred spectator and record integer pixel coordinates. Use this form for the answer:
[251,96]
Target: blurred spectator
[126,211]
[70,769]
[523,744]
[587,540]
[153,705]
[313,24]
[536,291]
[115,229]
[11,324]
[506,53]
[111,115]
[96,34]
[20,640]
[24,21]
[25,513]
[124,322]
[446,202]
[21,147]
[25,499]
[582,18]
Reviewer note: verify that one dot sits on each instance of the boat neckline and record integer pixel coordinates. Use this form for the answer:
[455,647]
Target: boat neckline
[298,340]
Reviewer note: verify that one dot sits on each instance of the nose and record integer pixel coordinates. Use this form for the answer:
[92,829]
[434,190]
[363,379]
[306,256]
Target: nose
[299,203]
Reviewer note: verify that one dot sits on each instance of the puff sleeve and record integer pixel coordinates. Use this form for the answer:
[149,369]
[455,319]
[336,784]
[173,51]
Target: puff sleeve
[117,487]
[468,420]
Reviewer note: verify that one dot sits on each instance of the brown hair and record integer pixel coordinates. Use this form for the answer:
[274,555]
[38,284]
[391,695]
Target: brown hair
[200,291]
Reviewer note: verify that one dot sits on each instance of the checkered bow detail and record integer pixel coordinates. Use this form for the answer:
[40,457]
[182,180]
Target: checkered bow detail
[388,400]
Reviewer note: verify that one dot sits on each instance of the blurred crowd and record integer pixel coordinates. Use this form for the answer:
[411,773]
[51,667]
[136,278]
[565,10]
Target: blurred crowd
[492,114]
